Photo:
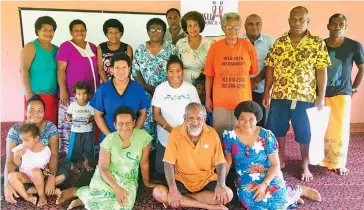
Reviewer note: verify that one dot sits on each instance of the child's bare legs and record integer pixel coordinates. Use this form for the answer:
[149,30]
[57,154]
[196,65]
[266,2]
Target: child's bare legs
[37,177]
[59,179]
[17,180]
[87,166]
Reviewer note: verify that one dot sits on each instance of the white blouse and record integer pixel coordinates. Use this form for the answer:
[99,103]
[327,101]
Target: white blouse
[193,60]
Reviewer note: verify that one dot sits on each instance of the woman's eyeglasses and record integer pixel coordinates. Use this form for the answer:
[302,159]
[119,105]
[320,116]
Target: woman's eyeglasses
[152,30]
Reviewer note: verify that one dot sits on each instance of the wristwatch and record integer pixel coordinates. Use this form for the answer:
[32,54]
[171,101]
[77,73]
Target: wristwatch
[354,90]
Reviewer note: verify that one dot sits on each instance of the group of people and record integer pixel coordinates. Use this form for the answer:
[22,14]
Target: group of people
[204,106]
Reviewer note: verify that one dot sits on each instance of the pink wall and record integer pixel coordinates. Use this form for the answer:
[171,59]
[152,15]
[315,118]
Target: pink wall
[275,23]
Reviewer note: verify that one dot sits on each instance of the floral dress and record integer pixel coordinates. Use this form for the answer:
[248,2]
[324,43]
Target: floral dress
[154,71]
[251,164]
[124,167]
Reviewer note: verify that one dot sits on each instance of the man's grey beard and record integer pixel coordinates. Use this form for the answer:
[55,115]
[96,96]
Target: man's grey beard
[194,131]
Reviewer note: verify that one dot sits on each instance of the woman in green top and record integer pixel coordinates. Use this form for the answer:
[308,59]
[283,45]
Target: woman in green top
[115,181]
[39,69]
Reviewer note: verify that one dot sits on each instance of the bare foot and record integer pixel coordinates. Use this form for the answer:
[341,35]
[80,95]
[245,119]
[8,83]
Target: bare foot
[74,168]
[217,207]
[66,195]
[87,167]
[342,171]
[300,201]
[310,193]
[32,199]
[306,175]
[32,190]
[75,203]
[57,192]
[42,201]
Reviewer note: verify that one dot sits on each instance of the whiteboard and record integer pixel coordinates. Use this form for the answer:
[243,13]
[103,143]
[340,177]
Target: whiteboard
[135,32]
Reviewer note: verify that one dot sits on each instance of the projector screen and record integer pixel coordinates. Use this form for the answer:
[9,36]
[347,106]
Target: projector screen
[135,31]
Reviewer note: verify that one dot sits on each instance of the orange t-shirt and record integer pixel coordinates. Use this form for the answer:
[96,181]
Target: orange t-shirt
[194,164]
[231,69]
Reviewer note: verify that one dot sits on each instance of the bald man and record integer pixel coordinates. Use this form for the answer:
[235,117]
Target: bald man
[296,68]
[262,43]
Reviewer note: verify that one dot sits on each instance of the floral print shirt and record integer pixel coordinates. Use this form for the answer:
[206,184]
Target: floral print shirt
[294,76]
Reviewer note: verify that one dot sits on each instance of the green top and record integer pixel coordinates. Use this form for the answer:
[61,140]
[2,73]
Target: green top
[43,70]
[124,166]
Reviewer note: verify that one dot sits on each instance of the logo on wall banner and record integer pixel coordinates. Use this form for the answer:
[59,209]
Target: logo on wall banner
[212,11]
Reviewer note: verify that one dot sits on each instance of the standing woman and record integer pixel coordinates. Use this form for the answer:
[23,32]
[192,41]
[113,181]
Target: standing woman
[39,69]
[113,31]
[149,64]
[193,48]
[76,61]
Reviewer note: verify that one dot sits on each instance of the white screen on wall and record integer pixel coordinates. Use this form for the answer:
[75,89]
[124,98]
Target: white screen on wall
[135,32]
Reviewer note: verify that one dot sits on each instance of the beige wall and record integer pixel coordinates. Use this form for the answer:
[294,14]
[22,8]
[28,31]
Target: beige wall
[275,23]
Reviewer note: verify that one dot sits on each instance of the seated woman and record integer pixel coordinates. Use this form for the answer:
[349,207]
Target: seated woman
[169,102]
[115,181]
[120,91]
[254,151]
[35,108]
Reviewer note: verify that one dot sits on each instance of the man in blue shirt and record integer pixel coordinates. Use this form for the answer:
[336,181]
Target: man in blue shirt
[262,43]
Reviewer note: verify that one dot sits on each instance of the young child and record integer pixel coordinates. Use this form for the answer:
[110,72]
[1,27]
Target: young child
[32,158]
[200,86]
[81,115]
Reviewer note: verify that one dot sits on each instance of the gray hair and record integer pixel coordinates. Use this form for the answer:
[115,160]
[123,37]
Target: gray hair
[228,16]
[195,104]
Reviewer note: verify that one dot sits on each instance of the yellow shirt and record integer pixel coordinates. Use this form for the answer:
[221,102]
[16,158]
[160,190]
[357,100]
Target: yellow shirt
[194,164]
[294,76]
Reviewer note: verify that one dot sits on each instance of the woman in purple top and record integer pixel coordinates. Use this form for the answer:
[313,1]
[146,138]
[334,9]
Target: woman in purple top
[76,61]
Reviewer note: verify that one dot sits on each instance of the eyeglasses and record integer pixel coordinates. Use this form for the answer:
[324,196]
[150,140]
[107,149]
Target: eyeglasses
[236,28]
[152,30]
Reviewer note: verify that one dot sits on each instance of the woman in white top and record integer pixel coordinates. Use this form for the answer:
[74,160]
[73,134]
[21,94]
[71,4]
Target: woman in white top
[193,48]
[169,102]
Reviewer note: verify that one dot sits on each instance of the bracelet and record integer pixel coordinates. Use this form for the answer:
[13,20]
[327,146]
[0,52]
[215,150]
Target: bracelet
[164,126]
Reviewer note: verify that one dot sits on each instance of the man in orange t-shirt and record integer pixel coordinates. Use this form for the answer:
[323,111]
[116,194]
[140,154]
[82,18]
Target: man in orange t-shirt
[230,62]
[192,154]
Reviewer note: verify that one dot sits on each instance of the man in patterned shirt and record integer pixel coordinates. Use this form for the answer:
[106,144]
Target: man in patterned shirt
[296,68]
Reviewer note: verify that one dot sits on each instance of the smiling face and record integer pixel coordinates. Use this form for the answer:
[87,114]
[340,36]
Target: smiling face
[124,124]
[78,32]
[298,21]
[232,29]
[337,27]
[46,33]
[195,120]
[175,74]
[253,26]
[35,112]
[113,35]
[247,121]
[121,70]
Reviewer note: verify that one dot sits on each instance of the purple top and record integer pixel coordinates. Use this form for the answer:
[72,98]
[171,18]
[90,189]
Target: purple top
[79,66]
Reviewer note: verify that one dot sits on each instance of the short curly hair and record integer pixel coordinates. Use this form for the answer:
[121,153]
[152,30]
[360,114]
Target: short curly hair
[123,110]
[76,22]
[157,21]
[113,23]
[80,85]
[193,15]
[251,107]
[42,21]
